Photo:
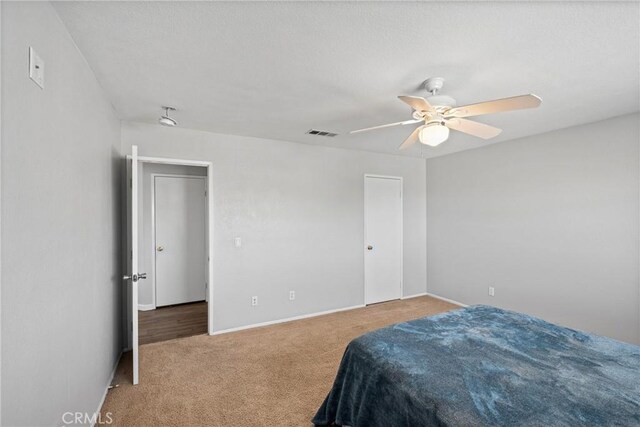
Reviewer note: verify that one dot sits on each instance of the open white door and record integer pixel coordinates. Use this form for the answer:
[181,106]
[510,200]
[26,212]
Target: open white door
[132,242]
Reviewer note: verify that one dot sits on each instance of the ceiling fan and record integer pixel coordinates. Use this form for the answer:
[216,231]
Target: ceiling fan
[439,114]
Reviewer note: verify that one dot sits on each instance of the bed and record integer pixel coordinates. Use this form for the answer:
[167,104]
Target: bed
[483,366]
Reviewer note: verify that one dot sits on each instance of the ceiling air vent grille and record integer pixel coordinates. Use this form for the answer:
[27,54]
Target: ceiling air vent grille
[321,133]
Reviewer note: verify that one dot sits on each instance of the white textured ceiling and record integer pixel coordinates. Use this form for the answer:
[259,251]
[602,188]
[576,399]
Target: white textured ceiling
[275,70]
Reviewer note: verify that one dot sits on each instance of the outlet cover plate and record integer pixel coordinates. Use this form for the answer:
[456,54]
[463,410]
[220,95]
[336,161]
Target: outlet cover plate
[36,68]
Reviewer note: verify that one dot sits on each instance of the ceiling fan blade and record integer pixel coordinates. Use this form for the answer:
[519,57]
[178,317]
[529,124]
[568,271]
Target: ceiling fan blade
[496,106]
[473,128]
[411,139]
[406,122]
[417,103]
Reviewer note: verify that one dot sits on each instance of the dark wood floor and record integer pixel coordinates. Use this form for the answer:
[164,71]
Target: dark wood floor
[175,321]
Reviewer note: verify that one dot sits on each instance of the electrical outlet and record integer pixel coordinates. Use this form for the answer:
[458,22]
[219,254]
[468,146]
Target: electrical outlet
[292,295]
[254,301]
[492,291]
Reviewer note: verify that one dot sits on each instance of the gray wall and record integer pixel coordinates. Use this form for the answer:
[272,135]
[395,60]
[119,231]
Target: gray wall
[61,168]
[145,202]
[299,211]
[0,216]
[551,221]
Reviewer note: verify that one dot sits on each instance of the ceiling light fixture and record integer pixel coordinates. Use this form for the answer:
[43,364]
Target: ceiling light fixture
[439,114]
[433,134]
[165,120]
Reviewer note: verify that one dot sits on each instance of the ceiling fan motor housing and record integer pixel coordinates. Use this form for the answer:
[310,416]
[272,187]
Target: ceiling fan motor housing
[441,101]
[433,85]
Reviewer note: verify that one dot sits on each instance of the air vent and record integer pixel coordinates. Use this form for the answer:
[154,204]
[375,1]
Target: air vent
[321,133]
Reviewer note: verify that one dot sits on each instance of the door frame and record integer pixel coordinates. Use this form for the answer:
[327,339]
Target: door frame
[153,224]
[365,243]
[209,216]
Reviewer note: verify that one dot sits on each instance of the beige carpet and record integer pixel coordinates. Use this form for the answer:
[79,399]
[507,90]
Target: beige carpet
[275,375]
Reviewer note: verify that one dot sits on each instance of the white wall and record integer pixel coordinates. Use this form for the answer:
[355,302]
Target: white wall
[551,221]
[61,168]
[145,200]
[299,211]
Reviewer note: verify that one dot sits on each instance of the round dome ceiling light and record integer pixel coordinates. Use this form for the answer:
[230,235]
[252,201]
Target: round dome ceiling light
[433,134]
[165,120]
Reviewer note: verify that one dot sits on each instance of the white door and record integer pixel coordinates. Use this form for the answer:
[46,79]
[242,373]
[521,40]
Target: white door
[180,239]
[383,238]
[132,275]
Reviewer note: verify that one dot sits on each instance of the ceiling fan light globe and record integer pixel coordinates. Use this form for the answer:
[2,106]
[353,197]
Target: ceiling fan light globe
[433,135]
[167,121]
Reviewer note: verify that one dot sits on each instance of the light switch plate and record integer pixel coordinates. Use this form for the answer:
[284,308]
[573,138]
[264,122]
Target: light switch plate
[36,68]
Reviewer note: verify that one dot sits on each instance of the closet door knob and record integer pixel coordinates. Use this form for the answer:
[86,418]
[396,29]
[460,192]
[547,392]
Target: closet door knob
[160,248]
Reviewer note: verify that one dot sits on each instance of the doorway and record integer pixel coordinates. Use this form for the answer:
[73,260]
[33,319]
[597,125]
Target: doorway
[383,238]
[174,303]
[169,246]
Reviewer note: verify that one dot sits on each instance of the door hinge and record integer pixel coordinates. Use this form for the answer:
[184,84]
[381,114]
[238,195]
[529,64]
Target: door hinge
[131,183]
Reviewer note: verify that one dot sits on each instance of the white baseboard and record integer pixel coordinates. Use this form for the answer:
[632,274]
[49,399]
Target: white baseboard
[146,307]
[415,295]
[321,313]
[447,299]
[288,319]
[106,390]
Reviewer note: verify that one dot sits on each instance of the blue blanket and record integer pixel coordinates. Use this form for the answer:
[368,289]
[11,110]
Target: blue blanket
[482,366]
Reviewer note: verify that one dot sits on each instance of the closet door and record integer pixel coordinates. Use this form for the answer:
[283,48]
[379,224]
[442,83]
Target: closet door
[180,239]
[383,239]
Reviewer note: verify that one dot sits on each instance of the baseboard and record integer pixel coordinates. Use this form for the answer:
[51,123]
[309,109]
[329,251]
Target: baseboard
[288,319]
[447,299]
[146,307]
[322,313]
[415,295]
[106,390]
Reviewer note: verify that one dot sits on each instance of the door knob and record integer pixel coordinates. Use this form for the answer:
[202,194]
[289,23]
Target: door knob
[135,277]
[160,248]
[369,248]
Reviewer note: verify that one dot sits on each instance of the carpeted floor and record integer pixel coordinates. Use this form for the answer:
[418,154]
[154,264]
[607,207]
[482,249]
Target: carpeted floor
[275,375]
